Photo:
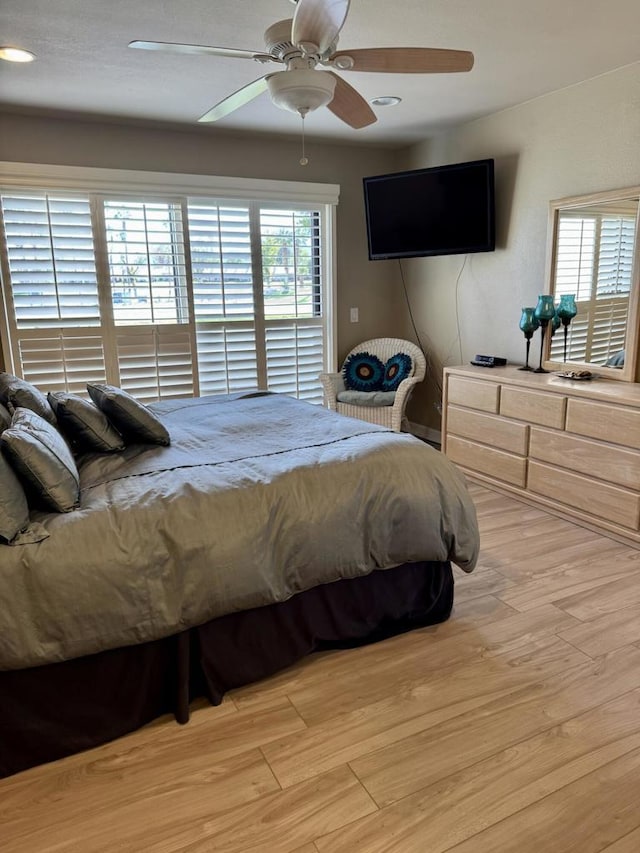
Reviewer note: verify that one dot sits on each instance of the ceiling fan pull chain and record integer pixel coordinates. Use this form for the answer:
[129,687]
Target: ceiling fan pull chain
[304,159]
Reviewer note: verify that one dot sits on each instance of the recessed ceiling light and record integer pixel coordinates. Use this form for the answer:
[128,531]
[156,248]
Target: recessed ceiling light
[385,101]
[16,54]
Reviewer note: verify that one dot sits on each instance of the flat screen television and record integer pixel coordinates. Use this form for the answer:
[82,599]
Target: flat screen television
[445,210]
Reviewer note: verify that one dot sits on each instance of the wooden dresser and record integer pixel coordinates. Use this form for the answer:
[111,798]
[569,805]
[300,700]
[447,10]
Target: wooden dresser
[571,447]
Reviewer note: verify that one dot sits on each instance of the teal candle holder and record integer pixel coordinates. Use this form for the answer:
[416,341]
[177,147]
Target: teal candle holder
[544,313]
[528,324]
[566,311]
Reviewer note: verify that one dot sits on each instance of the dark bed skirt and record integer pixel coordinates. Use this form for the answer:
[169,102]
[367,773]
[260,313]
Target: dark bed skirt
[51,711]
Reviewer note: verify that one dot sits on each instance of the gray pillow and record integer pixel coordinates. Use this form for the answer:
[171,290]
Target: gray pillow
[134,420]
[14,512]
[83,424]
[23,394]
[5,418]
[42,459]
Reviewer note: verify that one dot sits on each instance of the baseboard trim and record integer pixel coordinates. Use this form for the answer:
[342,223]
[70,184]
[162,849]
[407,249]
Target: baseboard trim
[433,436]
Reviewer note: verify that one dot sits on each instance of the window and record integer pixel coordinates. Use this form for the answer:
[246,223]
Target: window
[594,261]
[168,295]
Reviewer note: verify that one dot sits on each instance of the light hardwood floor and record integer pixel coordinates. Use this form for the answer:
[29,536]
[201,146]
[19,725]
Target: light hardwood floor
[514,726]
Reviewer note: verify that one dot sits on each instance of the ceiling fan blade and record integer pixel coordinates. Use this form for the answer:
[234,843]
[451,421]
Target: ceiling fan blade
[236,100]
[408,60]
[318,22]
[171,47]
[349,105]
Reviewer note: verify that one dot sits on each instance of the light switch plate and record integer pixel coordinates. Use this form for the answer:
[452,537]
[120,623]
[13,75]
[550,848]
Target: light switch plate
[353,315]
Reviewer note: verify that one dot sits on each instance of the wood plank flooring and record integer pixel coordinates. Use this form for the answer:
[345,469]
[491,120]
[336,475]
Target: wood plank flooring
[514,726]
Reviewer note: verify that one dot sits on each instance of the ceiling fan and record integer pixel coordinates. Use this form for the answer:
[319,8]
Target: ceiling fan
[307,47]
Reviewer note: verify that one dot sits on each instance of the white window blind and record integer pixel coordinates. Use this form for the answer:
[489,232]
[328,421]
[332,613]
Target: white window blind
[51,260]
[145,247]
[156,363]
[62,359]
[149,298]
[293,308]
[594,261]
[223,296]
[167,297]
[52,302]
[294,353]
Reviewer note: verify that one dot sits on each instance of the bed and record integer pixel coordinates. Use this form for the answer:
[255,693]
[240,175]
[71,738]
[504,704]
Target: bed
[268,529]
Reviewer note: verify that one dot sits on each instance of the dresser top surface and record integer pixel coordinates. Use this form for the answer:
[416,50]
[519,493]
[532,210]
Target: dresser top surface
[598,389]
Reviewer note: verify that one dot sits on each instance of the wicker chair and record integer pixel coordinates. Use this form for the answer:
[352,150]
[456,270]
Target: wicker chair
[390,416]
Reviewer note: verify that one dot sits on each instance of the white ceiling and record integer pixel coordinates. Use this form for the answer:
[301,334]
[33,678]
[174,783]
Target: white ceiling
[522,49]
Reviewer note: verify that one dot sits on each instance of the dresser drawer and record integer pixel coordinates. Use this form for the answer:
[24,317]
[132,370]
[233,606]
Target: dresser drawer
[486,460]
[535,407]
[580,455]
[593,498]
[616,424]
[489,429]
[474,394]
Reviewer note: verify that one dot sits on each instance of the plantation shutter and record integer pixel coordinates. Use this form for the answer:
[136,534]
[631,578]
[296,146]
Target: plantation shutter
[613,286]
[223,296]
[52,305]
[594,262]
[293,308]
[149,298]
[155,363]
[165,295]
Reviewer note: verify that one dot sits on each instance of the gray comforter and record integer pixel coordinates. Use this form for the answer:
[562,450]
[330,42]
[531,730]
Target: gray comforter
[258,498]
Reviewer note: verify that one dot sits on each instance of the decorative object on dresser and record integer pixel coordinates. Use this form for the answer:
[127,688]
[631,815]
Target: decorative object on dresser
[528,324]
[570,447]
[566,311]
[577,374]
[544,313]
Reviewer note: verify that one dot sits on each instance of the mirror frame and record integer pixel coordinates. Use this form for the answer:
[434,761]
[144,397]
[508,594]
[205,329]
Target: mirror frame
[631,370]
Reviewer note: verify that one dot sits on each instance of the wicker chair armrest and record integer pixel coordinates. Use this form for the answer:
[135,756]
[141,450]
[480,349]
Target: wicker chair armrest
[332,384]
[404,389]
[402,395]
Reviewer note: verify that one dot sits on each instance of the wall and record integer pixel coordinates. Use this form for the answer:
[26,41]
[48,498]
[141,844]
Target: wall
[360,283]
[582,139]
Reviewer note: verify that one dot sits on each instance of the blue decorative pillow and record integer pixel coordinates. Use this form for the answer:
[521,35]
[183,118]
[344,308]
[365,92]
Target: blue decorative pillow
[395,370]
[363,372]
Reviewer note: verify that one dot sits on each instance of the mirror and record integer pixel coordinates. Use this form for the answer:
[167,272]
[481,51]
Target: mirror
[594,256]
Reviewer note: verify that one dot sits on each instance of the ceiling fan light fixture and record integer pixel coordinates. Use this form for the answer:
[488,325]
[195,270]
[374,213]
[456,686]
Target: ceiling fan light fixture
[301,90]
[385,101]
